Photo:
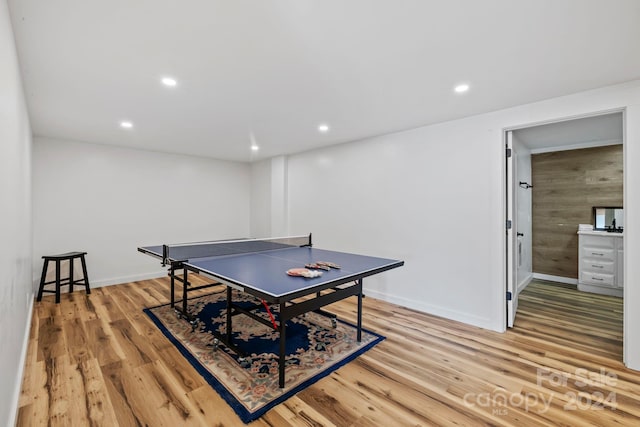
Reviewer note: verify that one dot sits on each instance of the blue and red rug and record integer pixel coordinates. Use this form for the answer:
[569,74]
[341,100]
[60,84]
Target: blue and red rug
[314,350]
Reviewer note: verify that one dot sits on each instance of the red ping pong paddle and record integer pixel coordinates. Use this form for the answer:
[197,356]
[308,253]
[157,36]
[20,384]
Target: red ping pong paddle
[303,272]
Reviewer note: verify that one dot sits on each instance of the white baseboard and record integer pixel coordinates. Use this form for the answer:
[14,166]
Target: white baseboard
[98,283]
[434,310]
[524,283]
[559,279]
[126,279]
[13,416]
[614,292]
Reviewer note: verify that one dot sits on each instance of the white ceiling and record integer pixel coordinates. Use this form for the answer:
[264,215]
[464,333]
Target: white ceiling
[605,129]
[276,69]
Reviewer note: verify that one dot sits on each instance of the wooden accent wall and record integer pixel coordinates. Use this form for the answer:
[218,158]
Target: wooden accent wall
[566,186]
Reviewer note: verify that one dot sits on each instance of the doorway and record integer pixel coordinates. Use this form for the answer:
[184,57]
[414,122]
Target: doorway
[570,178]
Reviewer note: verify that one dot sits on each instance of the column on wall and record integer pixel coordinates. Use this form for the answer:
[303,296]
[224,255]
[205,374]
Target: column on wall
[279,197]
[269,198]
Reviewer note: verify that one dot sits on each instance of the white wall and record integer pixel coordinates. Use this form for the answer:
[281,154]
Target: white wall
[16,295]
[429,196]
[279,197]
[632,233]
[261,199]
[433,196]
[107,201]
[269,192]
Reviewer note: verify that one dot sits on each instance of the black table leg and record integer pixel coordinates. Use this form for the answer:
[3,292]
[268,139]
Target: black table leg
[57,281]
[283,344]
[184,291]
[172,273]
[229,314]
[43,279]
[359,338]
[71,275]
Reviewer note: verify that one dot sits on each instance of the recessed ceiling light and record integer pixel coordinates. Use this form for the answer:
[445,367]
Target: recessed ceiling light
[126,124]
[169,81]
[254,143]
[461,88]
[323,128]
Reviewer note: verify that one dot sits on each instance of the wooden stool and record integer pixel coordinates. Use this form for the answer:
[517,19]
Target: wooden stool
[66,281]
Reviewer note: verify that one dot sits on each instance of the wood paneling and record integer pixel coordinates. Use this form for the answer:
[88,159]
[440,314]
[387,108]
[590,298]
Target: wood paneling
[99,361]
[566,186]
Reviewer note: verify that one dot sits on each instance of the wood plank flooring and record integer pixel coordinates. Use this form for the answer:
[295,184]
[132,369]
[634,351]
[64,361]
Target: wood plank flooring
[99,361]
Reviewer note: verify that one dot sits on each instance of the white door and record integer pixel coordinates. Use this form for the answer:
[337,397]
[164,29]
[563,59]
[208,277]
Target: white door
[511,244]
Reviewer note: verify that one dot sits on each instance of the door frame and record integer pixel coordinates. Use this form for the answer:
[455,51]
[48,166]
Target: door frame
[511,293]
[509,267]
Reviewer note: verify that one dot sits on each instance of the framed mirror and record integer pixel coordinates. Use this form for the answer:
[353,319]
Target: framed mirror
[608,218]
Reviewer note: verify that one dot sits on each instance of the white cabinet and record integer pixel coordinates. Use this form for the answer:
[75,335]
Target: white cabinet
[600,267]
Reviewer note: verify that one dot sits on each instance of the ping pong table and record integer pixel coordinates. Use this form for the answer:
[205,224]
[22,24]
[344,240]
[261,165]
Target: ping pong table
[259,267]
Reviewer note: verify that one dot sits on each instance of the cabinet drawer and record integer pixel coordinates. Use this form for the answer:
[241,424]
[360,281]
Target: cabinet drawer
[598,253]
[598,266]
[598,241]
[597,279]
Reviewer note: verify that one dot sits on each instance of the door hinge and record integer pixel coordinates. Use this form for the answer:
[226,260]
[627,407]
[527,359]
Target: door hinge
[508,152]
[508,225]
[508,296]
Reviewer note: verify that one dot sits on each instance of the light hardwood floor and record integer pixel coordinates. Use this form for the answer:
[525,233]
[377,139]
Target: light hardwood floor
[99,361]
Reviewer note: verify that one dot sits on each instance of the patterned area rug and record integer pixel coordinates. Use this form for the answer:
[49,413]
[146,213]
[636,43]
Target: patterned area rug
[314,349]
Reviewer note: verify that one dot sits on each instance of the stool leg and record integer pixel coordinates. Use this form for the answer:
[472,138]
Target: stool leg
[57,281]
[86,276]
[71,275]
[45,265]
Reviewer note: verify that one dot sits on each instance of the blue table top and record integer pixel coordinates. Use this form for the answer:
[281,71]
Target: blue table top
[266,271]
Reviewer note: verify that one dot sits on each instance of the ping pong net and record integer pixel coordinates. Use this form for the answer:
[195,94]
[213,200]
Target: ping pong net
[185,251]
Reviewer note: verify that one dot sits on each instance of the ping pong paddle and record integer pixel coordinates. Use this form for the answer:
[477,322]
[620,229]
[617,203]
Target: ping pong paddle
[303,272]
[328,264]
[318,265]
